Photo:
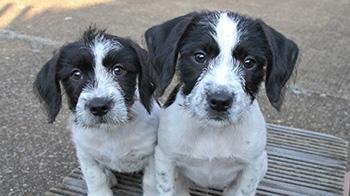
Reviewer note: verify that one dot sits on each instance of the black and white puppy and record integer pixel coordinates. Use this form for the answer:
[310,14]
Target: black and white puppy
[212,131]
[111,125]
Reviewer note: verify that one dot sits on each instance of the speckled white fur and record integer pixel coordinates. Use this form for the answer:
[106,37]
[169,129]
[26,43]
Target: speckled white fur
[124,148]
[228,155]
[207,155]
[120,144]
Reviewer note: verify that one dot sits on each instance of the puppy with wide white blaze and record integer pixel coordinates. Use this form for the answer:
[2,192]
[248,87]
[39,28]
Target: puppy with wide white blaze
[106,81]
[212,132]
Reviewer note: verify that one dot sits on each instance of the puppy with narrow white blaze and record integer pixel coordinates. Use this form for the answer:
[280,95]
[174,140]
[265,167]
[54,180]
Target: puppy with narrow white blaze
[211,130]
[107,83]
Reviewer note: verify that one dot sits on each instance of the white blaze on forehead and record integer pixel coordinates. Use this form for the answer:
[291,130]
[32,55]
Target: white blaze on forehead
[227,37]
[226,34]
[100,48]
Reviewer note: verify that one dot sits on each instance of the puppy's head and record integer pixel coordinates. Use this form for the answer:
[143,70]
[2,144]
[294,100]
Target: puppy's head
[221,59]
[99,73]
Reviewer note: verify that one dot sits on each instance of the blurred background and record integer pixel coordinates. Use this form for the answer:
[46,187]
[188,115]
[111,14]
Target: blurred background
[36,155]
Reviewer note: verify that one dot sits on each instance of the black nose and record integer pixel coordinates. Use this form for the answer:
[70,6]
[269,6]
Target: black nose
[220,101]
[99,106]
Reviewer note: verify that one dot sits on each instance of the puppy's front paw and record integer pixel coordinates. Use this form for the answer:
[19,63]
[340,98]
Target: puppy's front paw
[112,179]
[101,192]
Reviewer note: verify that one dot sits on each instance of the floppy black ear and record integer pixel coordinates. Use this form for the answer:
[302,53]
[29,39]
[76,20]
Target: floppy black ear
[47,88]
[162,43]
[280,65]
[145,84]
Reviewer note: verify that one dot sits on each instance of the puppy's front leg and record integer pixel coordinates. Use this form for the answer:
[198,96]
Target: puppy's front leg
[164,173]
[249,180]
[149,181]
[96,180]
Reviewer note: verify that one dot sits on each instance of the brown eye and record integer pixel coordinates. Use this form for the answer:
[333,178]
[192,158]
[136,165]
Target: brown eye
[118,70]
[249,62]
[200,57]
[76,74]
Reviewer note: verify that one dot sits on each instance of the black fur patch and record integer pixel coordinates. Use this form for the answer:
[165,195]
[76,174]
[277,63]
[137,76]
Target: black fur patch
[174,43]
[197,37]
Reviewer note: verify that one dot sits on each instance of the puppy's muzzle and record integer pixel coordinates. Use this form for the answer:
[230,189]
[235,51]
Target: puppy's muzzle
[220,101]
[99,106]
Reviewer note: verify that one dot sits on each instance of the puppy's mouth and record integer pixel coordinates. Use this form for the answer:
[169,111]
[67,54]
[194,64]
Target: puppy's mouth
[102,122]
[218,119]
[209,116]
[218,122]
[218,116]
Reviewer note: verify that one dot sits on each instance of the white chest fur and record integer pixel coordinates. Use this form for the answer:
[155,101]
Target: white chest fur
[124,148]
[211,156]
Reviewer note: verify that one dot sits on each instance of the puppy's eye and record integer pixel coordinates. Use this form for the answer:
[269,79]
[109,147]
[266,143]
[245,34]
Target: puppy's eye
[76,74]
[200,57]
[118,70]
[249,62]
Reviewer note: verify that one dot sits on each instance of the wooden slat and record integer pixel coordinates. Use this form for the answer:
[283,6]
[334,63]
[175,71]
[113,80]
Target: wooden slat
[319,143]
[305,166]
[291,170]
[64,190]
[282,188]
[306,157]
[76,184]
[302,144]
[308,134]
[347,184]
[300,163]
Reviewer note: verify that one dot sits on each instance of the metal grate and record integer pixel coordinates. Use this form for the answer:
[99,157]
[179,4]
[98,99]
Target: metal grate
[300,163]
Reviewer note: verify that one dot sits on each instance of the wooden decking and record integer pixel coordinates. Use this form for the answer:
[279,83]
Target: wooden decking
[300,163]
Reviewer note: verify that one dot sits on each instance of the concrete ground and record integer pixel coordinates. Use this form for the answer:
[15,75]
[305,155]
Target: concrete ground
[36,155]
